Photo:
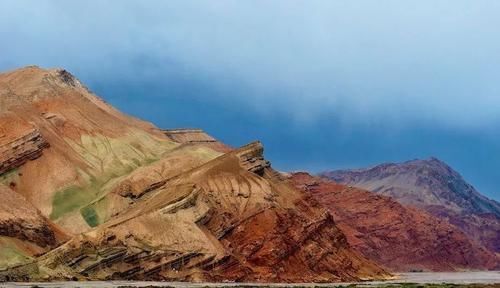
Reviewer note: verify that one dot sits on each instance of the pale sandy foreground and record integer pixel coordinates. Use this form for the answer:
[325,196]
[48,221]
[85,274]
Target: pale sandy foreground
[490,277]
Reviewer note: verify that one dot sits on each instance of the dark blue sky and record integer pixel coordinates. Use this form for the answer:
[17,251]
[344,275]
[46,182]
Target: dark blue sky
[323,84]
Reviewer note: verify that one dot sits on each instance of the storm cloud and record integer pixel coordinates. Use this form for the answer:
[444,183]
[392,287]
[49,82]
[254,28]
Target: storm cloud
[363,61]
[343,83]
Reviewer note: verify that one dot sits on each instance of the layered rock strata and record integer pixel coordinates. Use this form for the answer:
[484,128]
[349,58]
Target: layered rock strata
[14,153]
[222,221]
[195,136]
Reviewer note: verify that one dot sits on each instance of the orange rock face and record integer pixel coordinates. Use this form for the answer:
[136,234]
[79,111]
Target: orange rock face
[399,237]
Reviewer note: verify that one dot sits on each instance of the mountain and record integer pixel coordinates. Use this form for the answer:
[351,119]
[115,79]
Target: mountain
[89,144]
[435,187]
[399,237]
[108,196]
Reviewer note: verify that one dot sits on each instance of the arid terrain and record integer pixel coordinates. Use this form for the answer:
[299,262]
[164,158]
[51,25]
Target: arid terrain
[399,237]
[435,187]
[90,193]
[107,196]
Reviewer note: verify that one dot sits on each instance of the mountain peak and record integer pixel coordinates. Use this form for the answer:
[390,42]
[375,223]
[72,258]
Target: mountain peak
[28,71]
[433,159]
[434,186]
[428,182]
[36,73]
[429,160]
[24,86]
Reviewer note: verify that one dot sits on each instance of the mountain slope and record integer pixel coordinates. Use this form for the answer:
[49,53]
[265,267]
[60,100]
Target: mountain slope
[24,232]
[232,218]
[91,143]
[435,187]
[143,203]
[401,238]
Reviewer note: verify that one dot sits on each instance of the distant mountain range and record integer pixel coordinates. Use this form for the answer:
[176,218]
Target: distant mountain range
[399,237]
[435,187]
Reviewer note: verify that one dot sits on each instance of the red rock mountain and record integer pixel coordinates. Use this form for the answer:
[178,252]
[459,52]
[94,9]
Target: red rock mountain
[122,199]
[399,237]
[435,187]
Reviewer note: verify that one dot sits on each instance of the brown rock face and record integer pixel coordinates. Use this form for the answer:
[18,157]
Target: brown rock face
[399,237]
[435,187]
[19,143]
[21,220]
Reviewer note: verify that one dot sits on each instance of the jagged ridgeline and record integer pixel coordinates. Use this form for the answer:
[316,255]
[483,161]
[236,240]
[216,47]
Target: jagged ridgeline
[114,197]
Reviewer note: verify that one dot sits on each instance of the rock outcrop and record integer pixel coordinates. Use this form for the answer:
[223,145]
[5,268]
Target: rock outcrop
[195,136]
[19,219]
[401,238]
[17,149]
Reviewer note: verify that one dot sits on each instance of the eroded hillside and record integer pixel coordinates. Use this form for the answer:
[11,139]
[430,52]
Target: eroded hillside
[401,238]
[434,186]
[137,202]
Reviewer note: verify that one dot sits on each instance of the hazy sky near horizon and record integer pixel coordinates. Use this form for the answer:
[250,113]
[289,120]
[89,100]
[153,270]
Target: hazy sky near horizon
[324,84]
